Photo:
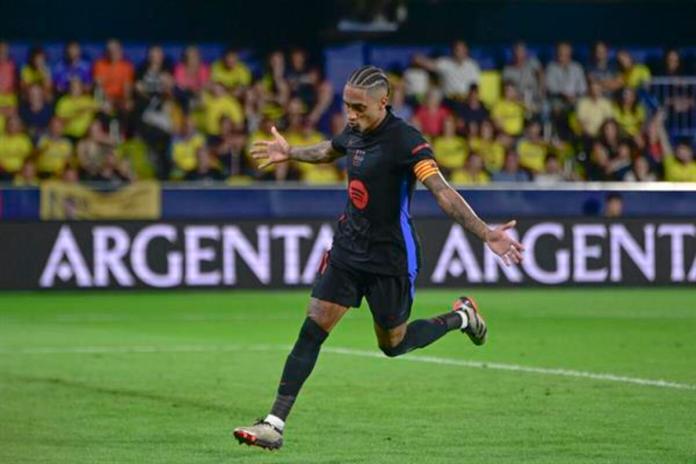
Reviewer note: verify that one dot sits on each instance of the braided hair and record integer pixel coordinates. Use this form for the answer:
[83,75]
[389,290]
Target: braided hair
[369,77]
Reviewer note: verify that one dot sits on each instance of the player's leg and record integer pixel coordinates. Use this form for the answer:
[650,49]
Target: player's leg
[391,298]
[322,316]
[334,292]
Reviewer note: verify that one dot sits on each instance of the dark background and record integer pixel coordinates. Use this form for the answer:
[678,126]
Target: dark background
[311,22]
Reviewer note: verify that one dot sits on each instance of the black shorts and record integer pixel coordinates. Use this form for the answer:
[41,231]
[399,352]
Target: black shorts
[390,297]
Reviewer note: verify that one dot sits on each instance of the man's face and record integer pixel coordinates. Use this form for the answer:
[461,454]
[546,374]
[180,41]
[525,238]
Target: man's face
[364,110]
[460,50]
[564,53]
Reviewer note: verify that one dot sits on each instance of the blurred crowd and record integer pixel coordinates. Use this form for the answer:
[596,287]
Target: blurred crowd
[112,120]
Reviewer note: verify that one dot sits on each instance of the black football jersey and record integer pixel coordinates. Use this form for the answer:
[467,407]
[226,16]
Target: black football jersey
[375,233]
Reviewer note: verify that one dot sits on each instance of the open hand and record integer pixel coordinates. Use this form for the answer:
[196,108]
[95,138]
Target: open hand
[273,151]
[509,249]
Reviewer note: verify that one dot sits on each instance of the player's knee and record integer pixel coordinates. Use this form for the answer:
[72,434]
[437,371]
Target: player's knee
[312,333]
[392,351]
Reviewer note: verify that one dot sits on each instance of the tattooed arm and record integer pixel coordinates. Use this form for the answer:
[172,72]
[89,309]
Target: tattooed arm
[322,152]
[459,210]
[279,150]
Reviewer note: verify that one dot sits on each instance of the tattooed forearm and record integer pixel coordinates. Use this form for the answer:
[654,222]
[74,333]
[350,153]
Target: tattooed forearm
[456,207]
[319,153]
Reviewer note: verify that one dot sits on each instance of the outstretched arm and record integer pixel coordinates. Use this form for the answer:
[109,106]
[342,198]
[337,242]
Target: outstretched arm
[509,249]
[279,150]
[322,152]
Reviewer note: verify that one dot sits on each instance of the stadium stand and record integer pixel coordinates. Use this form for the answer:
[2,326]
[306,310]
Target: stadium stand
[114,113]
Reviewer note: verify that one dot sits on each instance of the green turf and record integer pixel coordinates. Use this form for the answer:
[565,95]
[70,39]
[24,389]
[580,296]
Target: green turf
[177,397]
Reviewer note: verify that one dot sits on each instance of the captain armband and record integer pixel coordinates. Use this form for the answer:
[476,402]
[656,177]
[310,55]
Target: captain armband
[425,168]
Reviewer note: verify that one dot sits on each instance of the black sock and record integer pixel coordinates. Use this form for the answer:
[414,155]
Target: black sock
[298,366]
[423,332]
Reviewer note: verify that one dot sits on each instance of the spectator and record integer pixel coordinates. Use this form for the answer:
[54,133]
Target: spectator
[307,83]
[15,148]
[185,149]
[54,151]
[532,148]
[229,153]
[457,73]
[431,116]
[565,83]
[72,66]
[37,72]
[77,110]
[113,75]
[597,164]
[681,166]
[273,85]
[8,83]
[553,172]
[593,110]
[157,122]
[398,103]
[232,73]
[207,170]
[113,170]
[620,164]
[473,172]
[679,102]
[657,144]
[472,109]
[93,152]
[511,171]
[613,206]
[672,65]
[26,177]
[610,137]
[602,70]
[35,113]
[154,76]
[508,113]
[416,83]
[218,103]
[191,76]
[629,113]
[487,146]
[450,149]
[633,75]
[640,171]
[527,75]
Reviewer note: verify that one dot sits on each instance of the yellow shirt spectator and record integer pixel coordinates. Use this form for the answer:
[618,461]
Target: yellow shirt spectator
[31,76]
[492,152]
[237,76]
[593,112]
[532,154]
[54,155]
[450,151]
[630,121]
[679,172]
[215,107]
[509,116]
[185,152]
[637,76]
[14,150]
[466,178]
[77,112]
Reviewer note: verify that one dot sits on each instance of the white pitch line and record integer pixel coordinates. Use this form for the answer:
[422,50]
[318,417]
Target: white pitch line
[349,352]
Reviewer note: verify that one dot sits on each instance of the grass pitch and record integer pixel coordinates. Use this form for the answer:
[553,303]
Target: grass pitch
[164,377]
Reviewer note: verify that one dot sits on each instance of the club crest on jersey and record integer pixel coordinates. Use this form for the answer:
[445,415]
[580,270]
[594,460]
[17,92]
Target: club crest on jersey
[358,157]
